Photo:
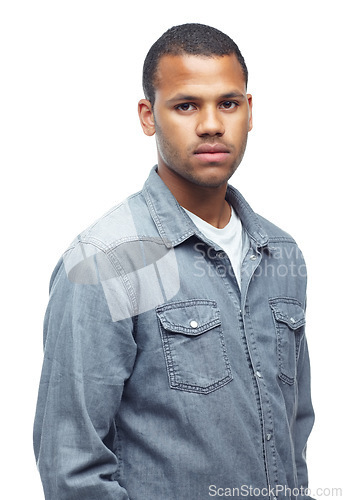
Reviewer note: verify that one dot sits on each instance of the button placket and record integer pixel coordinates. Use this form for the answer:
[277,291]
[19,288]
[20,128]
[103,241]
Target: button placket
[252,261]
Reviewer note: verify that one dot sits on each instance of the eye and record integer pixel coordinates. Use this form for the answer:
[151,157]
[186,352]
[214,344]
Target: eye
[228,105]
[186,106]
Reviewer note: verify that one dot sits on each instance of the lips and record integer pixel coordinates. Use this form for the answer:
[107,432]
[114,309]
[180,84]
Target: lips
[212,153]
[211,149]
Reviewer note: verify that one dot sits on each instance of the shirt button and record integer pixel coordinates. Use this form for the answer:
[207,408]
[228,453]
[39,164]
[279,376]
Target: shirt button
[258,374]
[253,257]
[268,436]
[193,324]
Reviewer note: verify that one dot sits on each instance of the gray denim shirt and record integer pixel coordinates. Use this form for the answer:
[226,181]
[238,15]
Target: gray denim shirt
[162,380]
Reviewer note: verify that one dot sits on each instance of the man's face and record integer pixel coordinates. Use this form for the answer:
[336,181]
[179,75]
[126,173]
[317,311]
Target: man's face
[201,117]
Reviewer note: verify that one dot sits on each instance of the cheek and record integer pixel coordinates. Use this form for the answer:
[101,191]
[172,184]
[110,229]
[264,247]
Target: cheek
[238,128]
[179,128]
[167,144]
[176,134]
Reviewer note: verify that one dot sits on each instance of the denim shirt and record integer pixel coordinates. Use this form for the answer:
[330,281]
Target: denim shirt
[162,379]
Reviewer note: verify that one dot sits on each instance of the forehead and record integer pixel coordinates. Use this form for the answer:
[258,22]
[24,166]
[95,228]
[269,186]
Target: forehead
[184,73]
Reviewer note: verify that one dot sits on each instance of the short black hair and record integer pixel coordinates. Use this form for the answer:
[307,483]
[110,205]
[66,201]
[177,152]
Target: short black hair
[189,38]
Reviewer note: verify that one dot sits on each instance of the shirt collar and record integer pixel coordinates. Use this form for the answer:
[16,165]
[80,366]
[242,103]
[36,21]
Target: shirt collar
[174,225]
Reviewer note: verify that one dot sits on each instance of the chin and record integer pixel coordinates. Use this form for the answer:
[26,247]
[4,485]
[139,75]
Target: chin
[211,181]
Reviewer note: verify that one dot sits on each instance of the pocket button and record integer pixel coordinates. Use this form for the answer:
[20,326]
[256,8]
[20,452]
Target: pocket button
[193,324]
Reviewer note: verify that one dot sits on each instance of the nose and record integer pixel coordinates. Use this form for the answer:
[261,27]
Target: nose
[210,123]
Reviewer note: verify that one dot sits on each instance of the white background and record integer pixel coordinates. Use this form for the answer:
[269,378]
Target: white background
[72,146]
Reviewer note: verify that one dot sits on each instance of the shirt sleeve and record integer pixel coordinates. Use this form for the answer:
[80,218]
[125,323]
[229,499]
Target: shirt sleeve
[87,359]
[305,415]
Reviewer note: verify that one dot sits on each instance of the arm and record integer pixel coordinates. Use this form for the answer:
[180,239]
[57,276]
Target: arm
[87,359]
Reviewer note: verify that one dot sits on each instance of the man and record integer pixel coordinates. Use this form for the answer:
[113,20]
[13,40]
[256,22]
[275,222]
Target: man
[176,364]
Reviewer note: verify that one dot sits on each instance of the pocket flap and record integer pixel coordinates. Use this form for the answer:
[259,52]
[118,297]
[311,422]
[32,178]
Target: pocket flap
[190,317]
[288,311]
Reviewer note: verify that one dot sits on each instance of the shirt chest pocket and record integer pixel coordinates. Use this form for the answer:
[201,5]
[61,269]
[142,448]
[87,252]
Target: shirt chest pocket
[289,320]
[194,347]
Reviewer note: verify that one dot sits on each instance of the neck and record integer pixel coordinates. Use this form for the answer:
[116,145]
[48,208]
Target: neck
[208,203]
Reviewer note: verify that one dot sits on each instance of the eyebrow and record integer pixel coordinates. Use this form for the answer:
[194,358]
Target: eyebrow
[184,97]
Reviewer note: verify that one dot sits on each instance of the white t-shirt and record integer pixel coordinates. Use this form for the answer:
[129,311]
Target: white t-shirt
[232,239]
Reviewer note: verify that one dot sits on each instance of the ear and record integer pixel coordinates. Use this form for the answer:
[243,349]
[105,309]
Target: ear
[249,97]
[146,117]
